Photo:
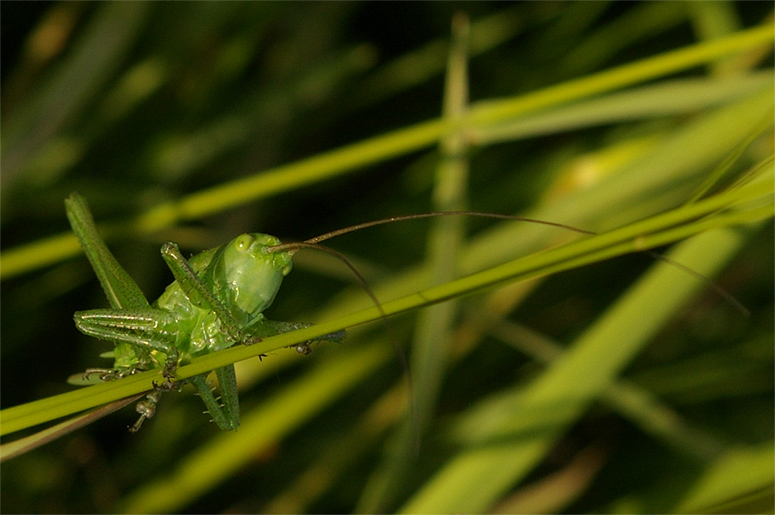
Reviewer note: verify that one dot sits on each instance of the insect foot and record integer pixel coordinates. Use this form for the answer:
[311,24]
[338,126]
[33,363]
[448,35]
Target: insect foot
[146,408]
[168,386]
[108,374]
[170,366]
[303,348]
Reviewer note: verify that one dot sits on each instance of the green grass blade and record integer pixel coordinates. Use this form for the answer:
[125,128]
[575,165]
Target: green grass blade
[351,157]
[193,123]
[659,230]
[729,480]
[430,347]
[260,430]
[23,445]
[512,440]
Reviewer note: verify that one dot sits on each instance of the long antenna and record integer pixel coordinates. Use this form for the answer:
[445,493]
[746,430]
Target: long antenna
[291,248]
[312,242]
[402,218]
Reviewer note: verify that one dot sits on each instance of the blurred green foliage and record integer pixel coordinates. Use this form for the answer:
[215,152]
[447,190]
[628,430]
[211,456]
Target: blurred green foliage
[138,105]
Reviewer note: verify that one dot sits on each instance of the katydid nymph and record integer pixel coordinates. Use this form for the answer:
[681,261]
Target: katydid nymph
[216,301]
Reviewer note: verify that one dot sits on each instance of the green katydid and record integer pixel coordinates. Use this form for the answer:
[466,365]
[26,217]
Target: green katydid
[216,301]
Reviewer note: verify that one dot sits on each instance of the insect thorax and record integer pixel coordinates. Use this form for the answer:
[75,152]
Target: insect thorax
[242,275]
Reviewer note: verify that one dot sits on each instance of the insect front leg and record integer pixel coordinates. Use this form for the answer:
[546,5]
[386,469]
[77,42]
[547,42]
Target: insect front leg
[272,327]
[198,293]
[225,415]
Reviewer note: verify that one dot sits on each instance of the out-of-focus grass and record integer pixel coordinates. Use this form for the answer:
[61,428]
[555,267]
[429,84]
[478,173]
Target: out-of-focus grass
[153,110]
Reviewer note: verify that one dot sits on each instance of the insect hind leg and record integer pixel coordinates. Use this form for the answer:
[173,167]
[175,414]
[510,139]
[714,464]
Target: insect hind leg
[145,330]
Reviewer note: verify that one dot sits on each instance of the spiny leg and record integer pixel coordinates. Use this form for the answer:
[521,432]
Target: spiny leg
[110,374]
[198,293]
[127,299]
[120,289]
[225,416]
[145,329]
[273,327]
[227,384]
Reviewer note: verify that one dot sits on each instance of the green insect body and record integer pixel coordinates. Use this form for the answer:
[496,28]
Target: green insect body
[217,300]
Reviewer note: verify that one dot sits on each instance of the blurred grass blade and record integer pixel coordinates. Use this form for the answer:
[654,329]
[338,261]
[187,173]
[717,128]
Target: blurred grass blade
[658,230]
[730,480]
[431,344]
[28,443]
[716,175]
[664,99]
[259,430]
[416,67]
[512,439]
[622,76]
[112,30]
[390,145]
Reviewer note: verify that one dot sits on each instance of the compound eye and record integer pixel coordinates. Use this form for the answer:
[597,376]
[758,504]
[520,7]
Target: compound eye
[243,242]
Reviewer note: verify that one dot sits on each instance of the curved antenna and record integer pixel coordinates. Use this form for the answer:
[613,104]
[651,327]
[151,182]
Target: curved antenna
[721,292]
[292,247]
[404,218]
